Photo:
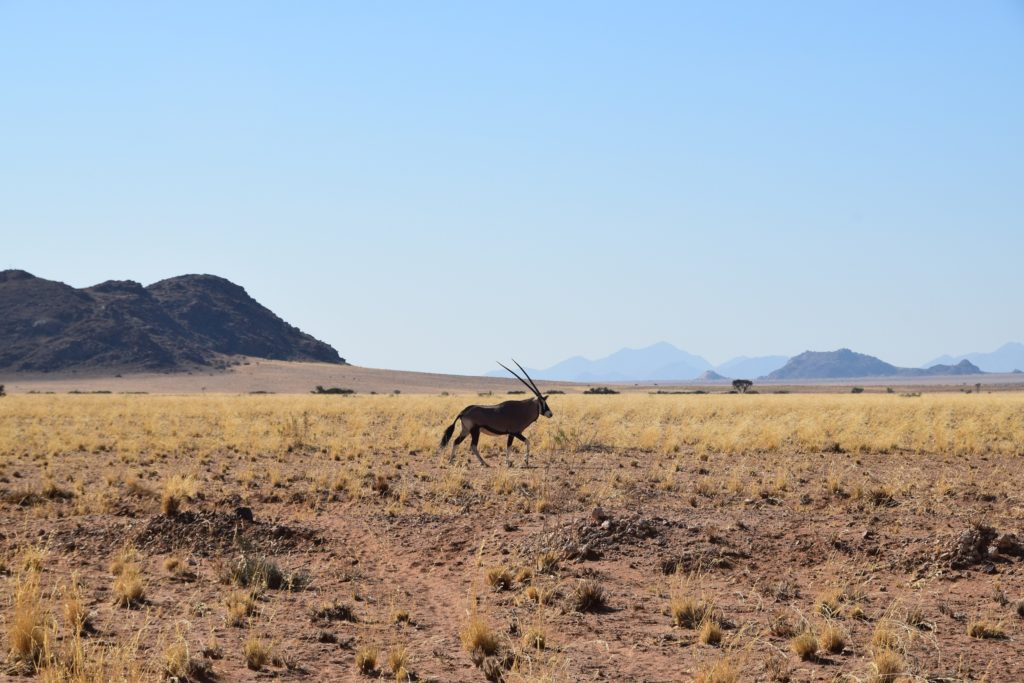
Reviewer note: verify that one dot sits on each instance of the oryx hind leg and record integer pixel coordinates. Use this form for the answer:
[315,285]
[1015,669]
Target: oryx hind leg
[474,440]
[455,444]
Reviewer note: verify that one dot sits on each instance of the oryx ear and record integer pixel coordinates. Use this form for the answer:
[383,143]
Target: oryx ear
[545,397]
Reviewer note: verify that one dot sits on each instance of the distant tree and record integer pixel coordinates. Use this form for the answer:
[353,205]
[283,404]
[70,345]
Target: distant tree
[742,385]
[977,388]
[857,390]
[600,390]
[2,393]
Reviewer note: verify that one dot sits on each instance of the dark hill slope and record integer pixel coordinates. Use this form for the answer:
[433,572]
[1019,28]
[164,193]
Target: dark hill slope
[183,322]
[225,319]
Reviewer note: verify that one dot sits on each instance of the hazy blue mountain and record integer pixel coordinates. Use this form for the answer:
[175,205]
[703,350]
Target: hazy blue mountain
[661,361]
[1006,358]
[711,376]
[749,368]
[847,364]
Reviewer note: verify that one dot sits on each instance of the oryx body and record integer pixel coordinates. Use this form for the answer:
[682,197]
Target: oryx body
[507,418]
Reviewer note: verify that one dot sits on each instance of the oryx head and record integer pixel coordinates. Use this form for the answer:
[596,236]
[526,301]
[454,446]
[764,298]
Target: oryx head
[541,399]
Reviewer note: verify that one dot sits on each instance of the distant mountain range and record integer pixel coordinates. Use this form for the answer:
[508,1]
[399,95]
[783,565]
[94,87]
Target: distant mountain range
[174,324]
[661,361]
[1006,358]
[847,364]
[665,362]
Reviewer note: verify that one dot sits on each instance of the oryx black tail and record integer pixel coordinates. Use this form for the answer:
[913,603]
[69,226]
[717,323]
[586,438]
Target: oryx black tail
[448,433]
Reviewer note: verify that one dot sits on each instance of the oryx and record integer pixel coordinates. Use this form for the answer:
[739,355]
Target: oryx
[509,417]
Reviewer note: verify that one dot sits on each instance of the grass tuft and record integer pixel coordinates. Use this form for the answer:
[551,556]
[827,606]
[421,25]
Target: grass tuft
[366,660]
[886,667]
[588,596]
[477,636]
[804,645]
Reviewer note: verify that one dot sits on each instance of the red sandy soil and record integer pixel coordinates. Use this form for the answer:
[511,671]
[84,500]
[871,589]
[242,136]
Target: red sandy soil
[757,558]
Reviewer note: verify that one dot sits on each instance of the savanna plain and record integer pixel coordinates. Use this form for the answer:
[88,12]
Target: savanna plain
[773,537]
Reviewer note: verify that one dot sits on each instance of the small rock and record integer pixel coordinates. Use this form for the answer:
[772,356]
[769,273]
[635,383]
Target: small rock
[606,524]
[1007,543]
[244,514]
[598,514]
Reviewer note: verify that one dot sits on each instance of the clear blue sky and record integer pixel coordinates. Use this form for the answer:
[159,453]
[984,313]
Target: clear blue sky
[436,185]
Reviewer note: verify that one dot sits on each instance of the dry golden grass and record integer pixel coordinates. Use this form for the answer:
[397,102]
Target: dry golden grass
[832,639]
[588,596]
[869,423]
[76,616]
[478,636]
[804,645]
[177,490]
[542,595]
[723,670]
[30,628]
[535,637]
[398,662]
[128,589]
[687,608]
[240,605]
[985,630]
[886,667]
[257,652]
[710,632]
[366,660]
[499,578]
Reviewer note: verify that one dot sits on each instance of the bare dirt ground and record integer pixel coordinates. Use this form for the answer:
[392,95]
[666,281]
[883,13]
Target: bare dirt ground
[257,375]
[401,557]
[249,375]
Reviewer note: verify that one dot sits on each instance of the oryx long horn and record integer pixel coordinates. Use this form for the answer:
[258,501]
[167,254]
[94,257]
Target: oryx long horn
[527,376]
[534,390]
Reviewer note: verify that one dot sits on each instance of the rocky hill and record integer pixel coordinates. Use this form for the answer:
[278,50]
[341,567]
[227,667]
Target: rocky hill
[174,324]
[710,376]
[847,364]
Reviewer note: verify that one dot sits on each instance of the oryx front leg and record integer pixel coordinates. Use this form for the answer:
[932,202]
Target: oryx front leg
[508,450]
[526,462]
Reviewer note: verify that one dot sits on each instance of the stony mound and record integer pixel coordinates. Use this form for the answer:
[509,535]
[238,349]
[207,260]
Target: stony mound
[205,532]
[590,539]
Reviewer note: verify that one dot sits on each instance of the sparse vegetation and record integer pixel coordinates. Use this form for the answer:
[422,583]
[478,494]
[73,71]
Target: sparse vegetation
[128,589]
[684,508]
[805,645]
[886,667]
[332,390]
[588,596]
[478,637]
[366,660]
[177,490]
[710,632]
[832,639]
[257,652]
[499,578]
[985,630]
